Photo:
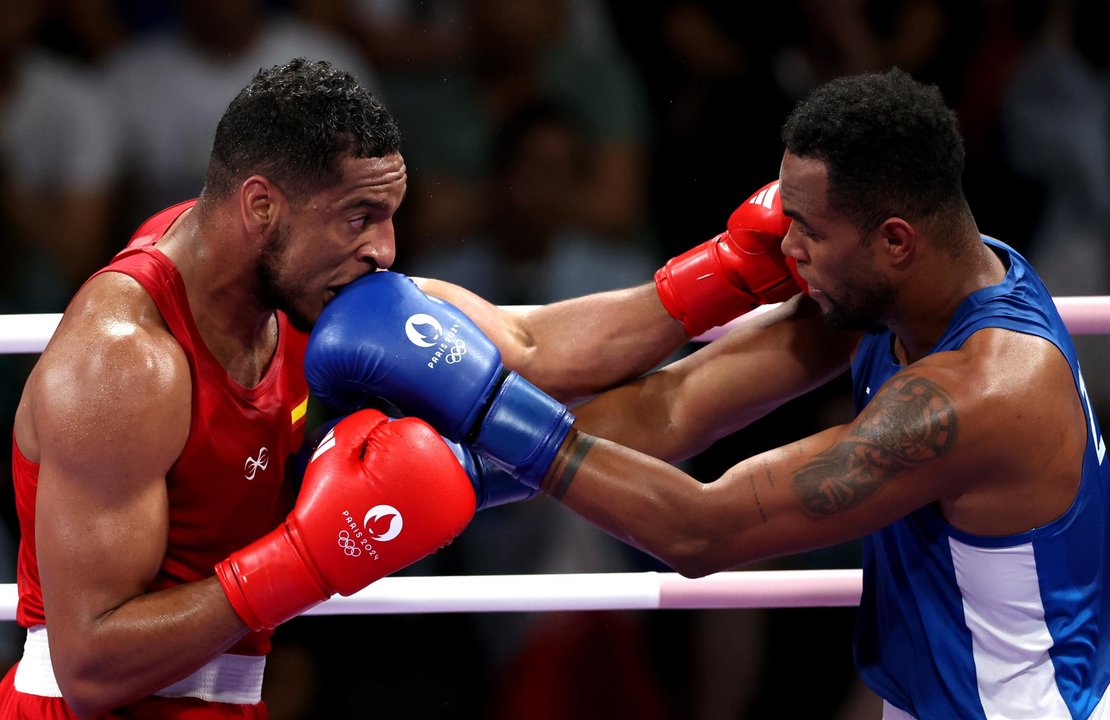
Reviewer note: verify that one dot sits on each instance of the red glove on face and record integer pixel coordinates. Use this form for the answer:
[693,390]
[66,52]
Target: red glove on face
[378,495]
[735,272]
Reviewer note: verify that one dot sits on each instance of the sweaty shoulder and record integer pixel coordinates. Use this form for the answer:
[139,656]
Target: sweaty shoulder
[112,374]
[1021,430]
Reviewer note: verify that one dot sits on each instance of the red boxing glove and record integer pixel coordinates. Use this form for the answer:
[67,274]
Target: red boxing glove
[735,272]
[378,495]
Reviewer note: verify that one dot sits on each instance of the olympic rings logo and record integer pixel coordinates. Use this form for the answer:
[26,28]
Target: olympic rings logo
[455,355]
[348,545]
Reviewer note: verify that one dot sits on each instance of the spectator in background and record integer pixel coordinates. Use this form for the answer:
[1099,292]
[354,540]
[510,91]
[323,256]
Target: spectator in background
[403,39]
[710,96]
[170,87]
[1056,122]
[533,248]
[59,160]
[415,41]
[1056,133]
[514,52]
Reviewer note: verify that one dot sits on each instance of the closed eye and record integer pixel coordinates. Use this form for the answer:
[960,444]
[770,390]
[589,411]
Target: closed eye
[806,230]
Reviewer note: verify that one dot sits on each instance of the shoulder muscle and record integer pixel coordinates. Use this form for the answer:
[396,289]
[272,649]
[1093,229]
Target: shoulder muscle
[113,385]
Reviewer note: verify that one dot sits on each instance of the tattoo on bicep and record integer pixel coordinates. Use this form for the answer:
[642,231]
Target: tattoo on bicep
[910,422]
[572,461]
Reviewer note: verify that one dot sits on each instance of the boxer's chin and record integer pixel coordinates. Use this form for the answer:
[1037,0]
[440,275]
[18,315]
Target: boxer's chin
[858,311]
[299,321]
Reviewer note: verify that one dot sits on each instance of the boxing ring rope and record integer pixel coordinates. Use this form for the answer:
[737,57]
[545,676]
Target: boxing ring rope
[1083,315]
[27,333]
[585,591]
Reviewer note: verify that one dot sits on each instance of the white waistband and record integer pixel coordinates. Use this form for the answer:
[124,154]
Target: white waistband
[892,713]
[227,679]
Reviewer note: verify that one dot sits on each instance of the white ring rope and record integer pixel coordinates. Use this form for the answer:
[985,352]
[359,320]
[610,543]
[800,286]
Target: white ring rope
[600,591]
[1083,315]
[27,333]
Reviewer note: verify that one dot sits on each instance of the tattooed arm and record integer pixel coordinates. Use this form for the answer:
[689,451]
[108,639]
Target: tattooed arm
[943,431]
[779,502]
[915,422]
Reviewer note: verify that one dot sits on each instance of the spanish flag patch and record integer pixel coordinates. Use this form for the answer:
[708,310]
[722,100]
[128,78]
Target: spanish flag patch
[297,413]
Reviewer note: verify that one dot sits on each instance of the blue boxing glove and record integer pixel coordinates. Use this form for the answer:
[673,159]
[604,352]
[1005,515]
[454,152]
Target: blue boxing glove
[298,463]
[492,485]
[381,336]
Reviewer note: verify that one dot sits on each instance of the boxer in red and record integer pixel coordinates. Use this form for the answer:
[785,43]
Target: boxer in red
[158,547]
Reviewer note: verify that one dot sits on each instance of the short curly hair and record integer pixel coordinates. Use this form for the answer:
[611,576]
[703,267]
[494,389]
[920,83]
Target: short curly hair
[292,124]
[891,145]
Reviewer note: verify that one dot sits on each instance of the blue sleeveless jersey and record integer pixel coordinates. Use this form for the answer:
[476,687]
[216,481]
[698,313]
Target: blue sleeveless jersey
[953,625]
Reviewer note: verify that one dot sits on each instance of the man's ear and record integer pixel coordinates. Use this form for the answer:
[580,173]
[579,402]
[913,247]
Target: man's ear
[260,202]
[898,239]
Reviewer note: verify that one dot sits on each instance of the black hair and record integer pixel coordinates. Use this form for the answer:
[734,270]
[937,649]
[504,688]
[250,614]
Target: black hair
[891,146]
[292,124]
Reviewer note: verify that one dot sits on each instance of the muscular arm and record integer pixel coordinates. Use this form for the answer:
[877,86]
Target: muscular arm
[579,347]
[757,366]
[997,457]
[107,412]
[824,489]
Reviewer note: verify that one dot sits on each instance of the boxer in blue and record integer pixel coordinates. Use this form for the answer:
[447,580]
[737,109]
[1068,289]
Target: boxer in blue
[975,469]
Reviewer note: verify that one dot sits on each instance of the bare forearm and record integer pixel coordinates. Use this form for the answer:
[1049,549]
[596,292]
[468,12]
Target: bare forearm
[585,345]
[838,484]
[579,347]
[142,646]
[681,409]
[638,416]
[649,504]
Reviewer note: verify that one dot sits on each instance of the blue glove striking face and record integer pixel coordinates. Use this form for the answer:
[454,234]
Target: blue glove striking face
[382,336]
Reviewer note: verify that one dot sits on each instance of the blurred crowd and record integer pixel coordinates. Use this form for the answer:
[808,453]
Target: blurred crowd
[554,148]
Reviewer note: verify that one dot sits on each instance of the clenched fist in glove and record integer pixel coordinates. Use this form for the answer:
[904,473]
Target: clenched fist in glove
[734,272]
[378,495]
[381,336]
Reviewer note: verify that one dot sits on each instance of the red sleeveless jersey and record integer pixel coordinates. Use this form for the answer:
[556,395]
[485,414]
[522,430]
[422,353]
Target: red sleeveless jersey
[229,486]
